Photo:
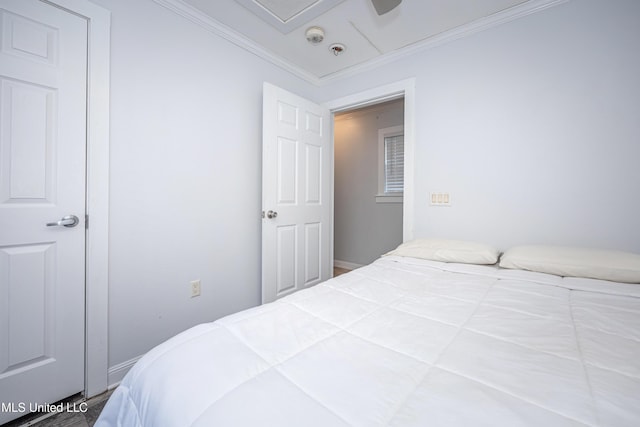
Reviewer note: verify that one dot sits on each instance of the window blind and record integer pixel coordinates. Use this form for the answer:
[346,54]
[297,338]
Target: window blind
[394,164]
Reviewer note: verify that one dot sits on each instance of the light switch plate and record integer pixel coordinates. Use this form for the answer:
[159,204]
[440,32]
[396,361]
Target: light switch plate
[439,199]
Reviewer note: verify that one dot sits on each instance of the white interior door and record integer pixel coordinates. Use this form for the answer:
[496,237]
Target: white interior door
[43,68]
[296,193]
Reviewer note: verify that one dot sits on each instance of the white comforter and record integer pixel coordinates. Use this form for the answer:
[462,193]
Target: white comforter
[403,342]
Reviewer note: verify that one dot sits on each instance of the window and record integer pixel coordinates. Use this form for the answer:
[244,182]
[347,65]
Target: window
[394,164]
[390,165]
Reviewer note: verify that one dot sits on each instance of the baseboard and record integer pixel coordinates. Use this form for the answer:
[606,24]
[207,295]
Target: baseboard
[346,265]
[116,373]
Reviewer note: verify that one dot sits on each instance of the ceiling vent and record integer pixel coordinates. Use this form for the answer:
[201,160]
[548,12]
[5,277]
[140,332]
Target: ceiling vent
[287,15]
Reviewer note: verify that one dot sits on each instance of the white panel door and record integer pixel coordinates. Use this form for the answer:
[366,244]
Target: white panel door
[296,194]
[43,68]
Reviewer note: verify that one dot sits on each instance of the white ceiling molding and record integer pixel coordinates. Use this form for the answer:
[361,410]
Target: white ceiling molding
[205,21]
[383,107]
[212,25]
[476,26]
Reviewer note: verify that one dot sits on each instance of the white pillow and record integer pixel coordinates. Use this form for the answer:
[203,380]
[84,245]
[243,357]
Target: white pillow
[448,251]
[575,262]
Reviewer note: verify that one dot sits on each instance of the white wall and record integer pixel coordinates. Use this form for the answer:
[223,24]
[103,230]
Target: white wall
[363,229]
[186,129]
[532,126]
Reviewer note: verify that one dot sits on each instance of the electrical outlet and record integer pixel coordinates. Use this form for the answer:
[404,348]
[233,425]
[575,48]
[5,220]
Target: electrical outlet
[195,288]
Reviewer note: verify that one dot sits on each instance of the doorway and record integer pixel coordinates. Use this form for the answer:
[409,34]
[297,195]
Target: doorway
[401,89]
[368,182]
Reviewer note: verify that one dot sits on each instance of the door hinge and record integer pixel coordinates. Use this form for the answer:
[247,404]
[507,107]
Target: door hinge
[86,222]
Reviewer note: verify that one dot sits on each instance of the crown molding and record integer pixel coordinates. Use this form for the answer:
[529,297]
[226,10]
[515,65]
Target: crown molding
[508,15]
[383,107]
[216,27]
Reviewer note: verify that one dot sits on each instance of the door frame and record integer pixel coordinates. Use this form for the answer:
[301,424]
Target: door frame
[404,88]
[97,191]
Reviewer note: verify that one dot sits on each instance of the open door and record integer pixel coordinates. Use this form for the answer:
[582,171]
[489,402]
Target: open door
[296,193]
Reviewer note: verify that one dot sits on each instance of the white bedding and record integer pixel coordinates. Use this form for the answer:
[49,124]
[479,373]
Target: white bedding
[403,342]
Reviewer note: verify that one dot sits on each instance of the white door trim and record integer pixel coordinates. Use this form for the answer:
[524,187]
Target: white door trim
[97,243]
[376,95]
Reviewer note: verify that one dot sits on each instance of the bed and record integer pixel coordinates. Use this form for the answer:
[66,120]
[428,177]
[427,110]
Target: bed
[406,341]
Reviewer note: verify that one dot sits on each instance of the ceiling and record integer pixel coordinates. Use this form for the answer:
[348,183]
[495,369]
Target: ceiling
[275,29]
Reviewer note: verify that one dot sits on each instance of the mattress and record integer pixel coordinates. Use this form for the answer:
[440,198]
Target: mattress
[403,342]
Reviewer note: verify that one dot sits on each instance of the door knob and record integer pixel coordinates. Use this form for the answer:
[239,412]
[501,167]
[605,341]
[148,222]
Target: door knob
[67,221]
[272,214]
